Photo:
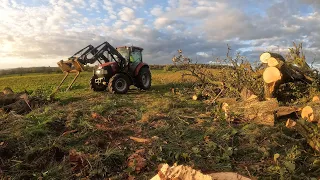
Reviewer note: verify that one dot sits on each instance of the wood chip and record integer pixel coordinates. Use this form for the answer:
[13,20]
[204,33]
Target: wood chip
[140,140]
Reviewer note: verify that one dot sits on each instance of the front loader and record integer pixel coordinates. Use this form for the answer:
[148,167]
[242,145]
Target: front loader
[118,68]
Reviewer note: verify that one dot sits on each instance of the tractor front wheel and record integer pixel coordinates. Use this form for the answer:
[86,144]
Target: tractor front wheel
[119,84]
[95,86]
[144,79]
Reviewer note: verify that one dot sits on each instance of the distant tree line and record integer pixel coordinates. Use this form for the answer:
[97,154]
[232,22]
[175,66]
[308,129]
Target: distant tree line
[45,70]
[49,70]
[169,67]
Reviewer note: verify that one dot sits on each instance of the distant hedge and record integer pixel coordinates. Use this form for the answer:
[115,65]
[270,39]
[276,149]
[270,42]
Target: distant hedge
[48,70]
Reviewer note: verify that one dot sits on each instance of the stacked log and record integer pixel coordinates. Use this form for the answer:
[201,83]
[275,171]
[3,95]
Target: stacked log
[280,71]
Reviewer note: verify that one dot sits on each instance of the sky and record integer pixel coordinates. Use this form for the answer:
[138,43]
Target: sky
[42,32]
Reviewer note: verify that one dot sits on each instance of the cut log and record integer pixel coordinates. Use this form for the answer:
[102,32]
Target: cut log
[199,97]
[271,75]
[188,173]
[273,62]
[264,57]
[307,130]
[290,123]
[259,112]
[311,112]
[195,97]
[267,55]
[315,99]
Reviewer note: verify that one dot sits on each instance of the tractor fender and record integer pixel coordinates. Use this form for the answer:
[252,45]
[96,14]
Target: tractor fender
[141,65]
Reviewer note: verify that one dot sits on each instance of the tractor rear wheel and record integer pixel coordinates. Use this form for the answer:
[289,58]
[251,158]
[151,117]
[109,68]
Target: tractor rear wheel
[119,84]
[144,78]
[96,87]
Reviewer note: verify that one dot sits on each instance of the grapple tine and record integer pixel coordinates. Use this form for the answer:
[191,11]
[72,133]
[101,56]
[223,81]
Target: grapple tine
[75,78]
[65,77]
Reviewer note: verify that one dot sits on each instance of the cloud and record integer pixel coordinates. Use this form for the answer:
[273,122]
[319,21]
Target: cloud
[43,32]
[126,14]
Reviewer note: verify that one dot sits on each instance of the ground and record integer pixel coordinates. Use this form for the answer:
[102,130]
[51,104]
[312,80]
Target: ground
[93,135]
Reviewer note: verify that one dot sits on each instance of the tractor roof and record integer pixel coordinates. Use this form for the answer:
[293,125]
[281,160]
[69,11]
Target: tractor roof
[134,47]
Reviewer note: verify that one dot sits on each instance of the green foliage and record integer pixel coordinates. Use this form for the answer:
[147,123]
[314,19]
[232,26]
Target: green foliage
[168,68]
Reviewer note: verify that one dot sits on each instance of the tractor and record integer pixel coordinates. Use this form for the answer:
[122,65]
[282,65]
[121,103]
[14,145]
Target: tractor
[118,68]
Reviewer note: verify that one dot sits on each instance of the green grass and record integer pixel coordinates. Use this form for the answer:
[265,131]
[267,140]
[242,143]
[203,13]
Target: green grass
[35,144]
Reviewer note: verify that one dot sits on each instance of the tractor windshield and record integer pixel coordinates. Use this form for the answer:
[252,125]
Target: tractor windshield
[124,52]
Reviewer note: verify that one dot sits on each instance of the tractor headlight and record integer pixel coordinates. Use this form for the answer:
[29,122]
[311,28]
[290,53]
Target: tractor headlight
[101,72]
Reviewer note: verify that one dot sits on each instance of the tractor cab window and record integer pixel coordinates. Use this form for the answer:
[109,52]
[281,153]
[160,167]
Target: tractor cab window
[124,52]
[136,56]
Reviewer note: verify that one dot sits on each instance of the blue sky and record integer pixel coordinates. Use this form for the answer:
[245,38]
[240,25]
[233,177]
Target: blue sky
[41,32]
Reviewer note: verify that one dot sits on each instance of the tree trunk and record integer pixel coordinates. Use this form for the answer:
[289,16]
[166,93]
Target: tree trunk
[260,112]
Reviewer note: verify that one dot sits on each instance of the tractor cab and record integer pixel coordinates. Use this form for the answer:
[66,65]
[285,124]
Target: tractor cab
[132,55]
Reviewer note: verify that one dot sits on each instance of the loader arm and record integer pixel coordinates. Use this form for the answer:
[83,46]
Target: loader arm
[74,64]
[112,54]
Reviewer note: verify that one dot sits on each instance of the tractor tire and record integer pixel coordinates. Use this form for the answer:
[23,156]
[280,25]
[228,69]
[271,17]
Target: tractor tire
[96,87]
[119,84]
[144,79]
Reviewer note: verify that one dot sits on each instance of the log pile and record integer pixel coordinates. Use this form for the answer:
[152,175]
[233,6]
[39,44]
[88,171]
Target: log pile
[280,70]
[20,103]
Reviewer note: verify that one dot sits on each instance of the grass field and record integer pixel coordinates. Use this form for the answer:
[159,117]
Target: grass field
[95,128]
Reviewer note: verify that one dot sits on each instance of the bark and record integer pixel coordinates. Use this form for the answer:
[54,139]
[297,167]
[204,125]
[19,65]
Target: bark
[286,110]
[259,112]
[246,94]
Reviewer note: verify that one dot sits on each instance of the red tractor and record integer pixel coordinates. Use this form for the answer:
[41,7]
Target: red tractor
[118,68]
